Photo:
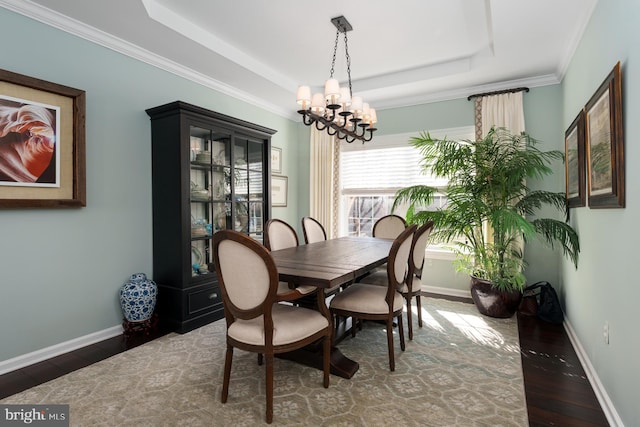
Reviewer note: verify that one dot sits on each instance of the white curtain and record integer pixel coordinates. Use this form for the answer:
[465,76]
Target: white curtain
[504,110]
[324,166]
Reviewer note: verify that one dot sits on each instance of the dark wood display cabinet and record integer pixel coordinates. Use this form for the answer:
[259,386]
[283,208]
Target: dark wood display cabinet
[210,172]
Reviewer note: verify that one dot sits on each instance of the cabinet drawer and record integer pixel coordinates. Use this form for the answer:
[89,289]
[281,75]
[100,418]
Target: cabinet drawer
[204,299]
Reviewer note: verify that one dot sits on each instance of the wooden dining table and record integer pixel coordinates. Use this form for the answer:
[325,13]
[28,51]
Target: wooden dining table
[327,264]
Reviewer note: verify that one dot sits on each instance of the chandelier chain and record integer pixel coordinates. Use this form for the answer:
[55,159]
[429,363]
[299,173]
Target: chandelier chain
[346,51]
[335,50]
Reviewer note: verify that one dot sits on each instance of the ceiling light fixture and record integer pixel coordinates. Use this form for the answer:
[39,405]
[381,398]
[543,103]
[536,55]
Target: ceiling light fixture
[338,111]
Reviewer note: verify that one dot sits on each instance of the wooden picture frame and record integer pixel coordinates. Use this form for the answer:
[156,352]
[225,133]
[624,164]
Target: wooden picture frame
[50,125]
[279,190]
[605,144]
[574,151]
[276,160]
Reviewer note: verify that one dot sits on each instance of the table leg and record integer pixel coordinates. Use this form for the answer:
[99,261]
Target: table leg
[311,355]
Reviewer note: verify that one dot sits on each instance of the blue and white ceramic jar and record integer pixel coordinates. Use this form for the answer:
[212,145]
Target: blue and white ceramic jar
[138,298]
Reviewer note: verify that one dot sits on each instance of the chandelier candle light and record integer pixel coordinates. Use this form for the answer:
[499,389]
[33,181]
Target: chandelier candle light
[338,111]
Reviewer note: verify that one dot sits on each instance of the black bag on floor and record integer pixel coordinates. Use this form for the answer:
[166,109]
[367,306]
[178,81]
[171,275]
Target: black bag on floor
[549,308]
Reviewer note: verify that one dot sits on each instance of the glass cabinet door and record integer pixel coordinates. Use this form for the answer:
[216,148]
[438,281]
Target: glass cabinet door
[210,193]
[241,186]
[256,188]
[248,186]
[226,190]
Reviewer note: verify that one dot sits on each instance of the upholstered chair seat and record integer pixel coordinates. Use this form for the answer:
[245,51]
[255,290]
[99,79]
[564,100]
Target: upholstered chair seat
[415,285]
[365,298]
[376,277]
[290,324]
[288,293]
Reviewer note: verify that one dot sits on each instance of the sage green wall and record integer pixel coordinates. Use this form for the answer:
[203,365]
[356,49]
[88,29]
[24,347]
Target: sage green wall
[605,288]
[418,118]
[60,270]
[543,120]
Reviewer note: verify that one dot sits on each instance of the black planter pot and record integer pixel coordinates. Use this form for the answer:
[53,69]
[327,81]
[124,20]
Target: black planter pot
[493,302]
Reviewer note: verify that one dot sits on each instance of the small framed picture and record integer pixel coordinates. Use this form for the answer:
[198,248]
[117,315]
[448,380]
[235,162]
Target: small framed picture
[279,190]
[575,163]
[605,144]
[276,160]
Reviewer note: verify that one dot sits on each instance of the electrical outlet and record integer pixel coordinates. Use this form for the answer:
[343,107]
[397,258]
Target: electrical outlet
[605,332]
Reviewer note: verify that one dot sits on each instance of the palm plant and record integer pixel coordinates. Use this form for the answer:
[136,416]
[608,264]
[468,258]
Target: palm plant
[490,209]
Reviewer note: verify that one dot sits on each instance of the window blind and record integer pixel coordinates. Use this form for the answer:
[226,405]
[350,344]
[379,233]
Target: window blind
[389,162]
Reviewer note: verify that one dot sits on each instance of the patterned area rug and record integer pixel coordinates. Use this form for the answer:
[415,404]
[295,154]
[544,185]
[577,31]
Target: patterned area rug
[461,369]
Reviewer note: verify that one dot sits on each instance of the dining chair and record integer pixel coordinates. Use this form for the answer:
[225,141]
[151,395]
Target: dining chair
[389,226]
[280,235]
[386,227]
[362,301]
[313,230]
[248,279]
[412,287]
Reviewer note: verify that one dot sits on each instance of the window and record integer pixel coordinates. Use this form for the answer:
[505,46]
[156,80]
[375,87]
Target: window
[371,173]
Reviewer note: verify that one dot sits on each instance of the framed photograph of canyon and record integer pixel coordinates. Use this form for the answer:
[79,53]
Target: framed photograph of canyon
[605,144]
[42,143]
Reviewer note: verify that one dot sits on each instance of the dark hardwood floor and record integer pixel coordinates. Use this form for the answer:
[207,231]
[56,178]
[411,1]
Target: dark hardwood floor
[557,389]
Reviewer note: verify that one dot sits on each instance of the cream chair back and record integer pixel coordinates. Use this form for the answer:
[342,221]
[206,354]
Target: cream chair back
[421,239]
[280,235]
[389,227]
[401,259]
[244,274]
[313,230]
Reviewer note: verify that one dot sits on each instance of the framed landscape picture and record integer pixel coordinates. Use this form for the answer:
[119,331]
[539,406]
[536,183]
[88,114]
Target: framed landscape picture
[574,147]
[605,144]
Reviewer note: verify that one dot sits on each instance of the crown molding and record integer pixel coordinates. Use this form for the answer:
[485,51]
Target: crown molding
[99,37]
[449,95]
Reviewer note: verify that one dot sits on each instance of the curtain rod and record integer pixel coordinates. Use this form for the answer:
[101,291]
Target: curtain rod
[498,92]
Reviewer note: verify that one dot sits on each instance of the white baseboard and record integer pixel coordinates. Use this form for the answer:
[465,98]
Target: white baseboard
[447,291]
[57,349]
[601,393]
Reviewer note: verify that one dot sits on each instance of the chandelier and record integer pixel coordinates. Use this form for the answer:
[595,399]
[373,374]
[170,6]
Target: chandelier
[337,111]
